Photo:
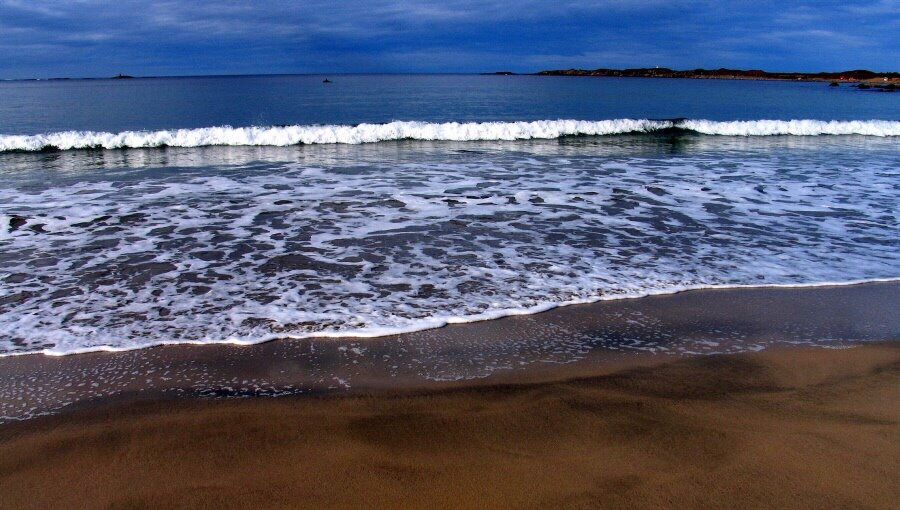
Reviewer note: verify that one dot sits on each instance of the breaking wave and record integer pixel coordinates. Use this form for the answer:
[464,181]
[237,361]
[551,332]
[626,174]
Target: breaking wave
[449,131]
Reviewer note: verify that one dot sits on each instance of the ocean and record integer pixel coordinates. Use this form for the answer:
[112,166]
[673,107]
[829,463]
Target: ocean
[141,212]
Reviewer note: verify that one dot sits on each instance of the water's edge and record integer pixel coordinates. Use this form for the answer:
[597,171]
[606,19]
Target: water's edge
[436,323]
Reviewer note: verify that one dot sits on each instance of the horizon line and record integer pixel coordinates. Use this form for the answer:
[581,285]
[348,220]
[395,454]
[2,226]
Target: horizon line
[122,76]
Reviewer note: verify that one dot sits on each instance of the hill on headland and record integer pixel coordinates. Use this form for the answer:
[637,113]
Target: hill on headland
[858,75]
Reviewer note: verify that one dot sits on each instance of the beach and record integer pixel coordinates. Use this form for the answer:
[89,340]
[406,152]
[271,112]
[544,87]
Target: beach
[289,255]
[447,291]
[578,340]
[784,428]
[794,425]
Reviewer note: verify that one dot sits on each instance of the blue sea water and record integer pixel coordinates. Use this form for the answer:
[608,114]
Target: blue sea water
[32,107]
[241,209]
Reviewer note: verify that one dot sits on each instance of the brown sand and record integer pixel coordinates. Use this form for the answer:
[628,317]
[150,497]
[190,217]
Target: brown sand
[790,428]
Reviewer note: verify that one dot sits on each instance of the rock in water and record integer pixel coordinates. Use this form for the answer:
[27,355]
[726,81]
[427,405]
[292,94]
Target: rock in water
[16,221]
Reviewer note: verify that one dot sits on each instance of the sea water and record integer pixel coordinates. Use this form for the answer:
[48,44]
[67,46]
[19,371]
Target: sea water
[243,209]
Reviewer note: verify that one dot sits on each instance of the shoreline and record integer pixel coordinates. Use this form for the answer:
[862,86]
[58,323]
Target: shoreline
[885,80]
[787,427]
[455,321]
[850,82]
[588,338]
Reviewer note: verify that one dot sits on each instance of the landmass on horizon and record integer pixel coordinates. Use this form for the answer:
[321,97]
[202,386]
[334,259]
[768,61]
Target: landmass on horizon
[882,80]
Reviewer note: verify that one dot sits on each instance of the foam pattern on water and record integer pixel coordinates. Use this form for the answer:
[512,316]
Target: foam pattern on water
[450,131]
[250,253]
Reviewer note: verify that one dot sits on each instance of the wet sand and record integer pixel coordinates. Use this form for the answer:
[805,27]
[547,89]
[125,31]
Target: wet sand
[585,340]
[782,428]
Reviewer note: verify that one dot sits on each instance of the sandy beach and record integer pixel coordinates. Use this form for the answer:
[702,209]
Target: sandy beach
[783,428]
[656,402]
[288,255]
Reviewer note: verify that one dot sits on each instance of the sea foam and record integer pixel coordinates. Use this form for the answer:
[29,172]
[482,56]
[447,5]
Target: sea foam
[449,131]
[372,243]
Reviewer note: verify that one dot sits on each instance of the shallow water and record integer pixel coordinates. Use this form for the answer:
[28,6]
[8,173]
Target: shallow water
[402,236]
[222,235]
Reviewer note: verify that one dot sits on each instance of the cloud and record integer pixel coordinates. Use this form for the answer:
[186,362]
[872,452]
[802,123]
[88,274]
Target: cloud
[94,37]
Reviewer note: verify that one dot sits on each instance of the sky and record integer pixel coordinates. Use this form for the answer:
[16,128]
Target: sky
[98,38]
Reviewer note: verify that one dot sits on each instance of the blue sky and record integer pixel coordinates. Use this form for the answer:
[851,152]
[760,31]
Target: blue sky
[79,38]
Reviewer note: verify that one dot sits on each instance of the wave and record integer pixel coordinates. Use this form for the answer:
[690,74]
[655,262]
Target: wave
[280,136]
[880,128]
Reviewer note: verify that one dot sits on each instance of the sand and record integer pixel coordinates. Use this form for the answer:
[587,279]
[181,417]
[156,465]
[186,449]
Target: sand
[782,428]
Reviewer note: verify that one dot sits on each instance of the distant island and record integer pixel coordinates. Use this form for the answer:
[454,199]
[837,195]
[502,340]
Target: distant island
[862,77]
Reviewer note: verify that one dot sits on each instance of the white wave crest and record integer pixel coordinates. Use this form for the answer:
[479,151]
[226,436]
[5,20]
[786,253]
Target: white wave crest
[326,134]
[793,127]
[449,131]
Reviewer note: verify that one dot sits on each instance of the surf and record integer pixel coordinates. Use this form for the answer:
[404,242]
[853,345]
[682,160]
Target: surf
[282,136]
